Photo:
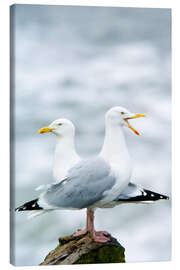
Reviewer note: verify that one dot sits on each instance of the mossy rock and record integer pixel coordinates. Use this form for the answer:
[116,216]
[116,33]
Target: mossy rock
[83,250]
[105,254]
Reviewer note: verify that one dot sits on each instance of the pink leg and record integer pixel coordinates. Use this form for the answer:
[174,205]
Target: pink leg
[81,232]
[97,236]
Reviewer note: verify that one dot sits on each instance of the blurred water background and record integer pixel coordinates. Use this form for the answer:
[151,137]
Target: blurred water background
[77,62]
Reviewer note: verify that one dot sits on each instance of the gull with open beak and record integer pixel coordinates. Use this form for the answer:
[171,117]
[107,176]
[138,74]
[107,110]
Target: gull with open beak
[100,182]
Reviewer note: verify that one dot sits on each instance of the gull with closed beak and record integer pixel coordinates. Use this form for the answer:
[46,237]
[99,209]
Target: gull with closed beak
[100,182]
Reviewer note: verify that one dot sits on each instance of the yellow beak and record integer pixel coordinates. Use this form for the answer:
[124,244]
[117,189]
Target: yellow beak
[135,116]
[45,129]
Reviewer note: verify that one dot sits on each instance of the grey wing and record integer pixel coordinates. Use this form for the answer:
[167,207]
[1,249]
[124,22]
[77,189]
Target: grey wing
[85,184]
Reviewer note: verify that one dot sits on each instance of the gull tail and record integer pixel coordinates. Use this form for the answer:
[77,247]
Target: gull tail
[29,206]
[136,194]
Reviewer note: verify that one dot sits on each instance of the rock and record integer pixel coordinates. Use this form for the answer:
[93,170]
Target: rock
[83,250]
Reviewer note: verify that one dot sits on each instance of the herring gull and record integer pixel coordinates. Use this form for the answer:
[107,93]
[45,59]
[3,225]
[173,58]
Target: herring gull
[65,156]
[103,181]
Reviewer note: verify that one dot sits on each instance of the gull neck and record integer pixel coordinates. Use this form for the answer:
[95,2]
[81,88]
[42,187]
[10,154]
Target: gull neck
[114,142]
[65,156]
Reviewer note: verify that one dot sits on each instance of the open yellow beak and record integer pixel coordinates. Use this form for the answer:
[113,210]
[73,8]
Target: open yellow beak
[45,129]
[135,116]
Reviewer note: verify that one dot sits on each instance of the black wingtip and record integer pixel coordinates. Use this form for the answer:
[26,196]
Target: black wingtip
[164,197]
[29,206]
[155,196]
[146,196]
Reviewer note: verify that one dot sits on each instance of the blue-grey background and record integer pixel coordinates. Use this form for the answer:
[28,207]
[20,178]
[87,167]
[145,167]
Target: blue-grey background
[77,62]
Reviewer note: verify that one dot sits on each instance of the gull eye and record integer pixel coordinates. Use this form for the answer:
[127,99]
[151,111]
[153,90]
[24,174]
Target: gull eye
[60,124]
[122,112]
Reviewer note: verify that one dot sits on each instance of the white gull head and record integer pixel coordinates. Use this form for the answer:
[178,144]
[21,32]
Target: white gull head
[60,127]
[119,116]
